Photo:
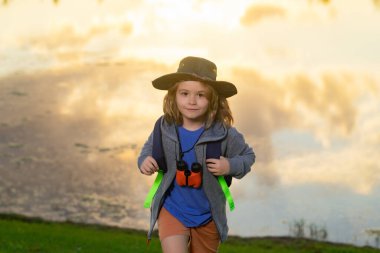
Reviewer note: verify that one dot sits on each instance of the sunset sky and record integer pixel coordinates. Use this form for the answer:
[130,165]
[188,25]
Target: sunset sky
[307,75]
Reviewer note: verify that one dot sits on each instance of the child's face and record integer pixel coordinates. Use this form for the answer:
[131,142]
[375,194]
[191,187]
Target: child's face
[192,101]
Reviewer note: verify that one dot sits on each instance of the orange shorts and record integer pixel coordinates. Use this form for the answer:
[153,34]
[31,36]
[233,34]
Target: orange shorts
[204,238]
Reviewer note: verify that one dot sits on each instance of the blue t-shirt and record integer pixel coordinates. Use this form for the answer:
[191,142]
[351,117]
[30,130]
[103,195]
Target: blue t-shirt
[189,205]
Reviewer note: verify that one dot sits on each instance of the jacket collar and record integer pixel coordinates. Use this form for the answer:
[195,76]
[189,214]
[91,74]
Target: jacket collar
[216,132]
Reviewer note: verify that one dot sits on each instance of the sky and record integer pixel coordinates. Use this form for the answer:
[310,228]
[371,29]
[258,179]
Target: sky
[308,82]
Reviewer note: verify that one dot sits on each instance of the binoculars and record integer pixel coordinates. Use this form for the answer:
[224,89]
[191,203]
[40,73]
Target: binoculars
[186,177]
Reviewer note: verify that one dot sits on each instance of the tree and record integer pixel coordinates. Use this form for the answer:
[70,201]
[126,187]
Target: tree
[297,229]
[376,234]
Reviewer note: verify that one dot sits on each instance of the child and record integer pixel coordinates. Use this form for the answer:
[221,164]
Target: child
[190,204]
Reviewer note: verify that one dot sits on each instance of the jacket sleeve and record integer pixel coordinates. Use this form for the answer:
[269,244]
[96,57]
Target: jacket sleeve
[240,156]
[146,150]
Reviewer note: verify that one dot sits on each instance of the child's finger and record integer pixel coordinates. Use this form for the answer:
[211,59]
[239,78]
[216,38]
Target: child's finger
[145,171]
[214,171]
[150,167]
[210,165]
[211,161]
[153,163]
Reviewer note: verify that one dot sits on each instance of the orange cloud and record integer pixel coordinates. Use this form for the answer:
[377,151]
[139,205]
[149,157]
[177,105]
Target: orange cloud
[258,12]
[333,99]
[68,38]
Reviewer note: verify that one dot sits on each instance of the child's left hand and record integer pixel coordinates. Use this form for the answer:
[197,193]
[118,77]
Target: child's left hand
[218,167]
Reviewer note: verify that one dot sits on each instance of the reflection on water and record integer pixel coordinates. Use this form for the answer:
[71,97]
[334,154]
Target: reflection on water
[98,192]
[77,207]
[65,159]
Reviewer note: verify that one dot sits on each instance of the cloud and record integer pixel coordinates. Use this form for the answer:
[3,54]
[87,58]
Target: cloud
[354,167]
[333,108]
[259,112]
[297,101]
[355,164]
[329,102]
[67,44]
[258,12]
[112,94]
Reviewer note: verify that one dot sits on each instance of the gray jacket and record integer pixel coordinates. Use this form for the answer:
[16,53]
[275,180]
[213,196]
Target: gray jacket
[240,156]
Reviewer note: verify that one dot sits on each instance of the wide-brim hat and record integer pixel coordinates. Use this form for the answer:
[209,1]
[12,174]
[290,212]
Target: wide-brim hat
[196,69]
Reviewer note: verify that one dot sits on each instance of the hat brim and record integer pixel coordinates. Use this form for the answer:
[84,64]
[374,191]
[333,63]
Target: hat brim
[165,82]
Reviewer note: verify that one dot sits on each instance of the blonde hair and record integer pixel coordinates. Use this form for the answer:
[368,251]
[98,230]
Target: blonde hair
[218,109]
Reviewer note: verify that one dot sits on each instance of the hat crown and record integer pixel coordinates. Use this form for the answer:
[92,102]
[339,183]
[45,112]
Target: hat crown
[196,69]
[199,67]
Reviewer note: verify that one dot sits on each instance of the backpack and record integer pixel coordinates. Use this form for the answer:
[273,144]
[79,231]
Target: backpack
[213,150]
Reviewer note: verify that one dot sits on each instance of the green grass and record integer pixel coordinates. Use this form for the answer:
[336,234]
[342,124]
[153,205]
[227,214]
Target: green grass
[23,235]
[19,234]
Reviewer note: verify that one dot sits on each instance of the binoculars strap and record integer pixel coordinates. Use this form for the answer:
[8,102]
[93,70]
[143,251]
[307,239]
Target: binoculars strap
[153,189]
[227,192]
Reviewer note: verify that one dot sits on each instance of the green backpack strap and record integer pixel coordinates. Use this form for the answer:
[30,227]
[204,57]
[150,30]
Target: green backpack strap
[227,193]
[153,189]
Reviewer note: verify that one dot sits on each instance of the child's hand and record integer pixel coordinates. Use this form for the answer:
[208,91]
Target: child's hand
[218,167]
[149,166]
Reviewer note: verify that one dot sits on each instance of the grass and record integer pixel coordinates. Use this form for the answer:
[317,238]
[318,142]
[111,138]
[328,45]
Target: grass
[26,235]
[18,234]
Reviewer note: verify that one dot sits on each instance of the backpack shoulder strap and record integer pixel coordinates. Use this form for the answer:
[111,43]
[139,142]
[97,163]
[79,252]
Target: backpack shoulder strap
[158,149]
[223,149]
[214,150]
[159,155]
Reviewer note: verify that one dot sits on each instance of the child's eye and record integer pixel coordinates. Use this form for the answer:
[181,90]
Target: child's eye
[183,93]
[201,95]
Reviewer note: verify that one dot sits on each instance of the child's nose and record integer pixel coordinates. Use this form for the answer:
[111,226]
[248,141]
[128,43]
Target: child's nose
[193,100]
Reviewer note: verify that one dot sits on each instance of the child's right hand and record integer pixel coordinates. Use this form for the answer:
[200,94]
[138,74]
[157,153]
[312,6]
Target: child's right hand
[149,166]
